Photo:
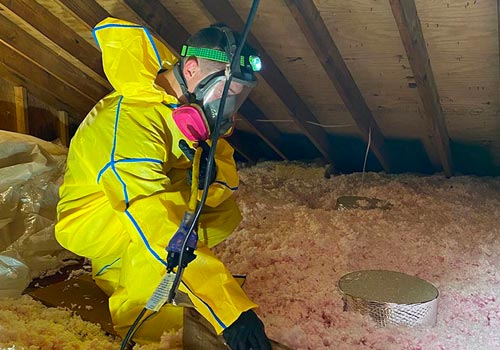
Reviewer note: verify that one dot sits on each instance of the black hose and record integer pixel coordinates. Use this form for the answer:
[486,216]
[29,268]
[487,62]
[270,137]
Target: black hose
[235,61]
[131,330]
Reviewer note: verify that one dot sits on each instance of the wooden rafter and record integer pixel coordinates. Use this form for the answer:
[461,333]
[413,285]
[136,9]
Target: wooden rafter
[42,56]
[405,14]
[318,36]
[36,90]
[222,11]
[161,21]
[58,32]
[89,11]
[23,71]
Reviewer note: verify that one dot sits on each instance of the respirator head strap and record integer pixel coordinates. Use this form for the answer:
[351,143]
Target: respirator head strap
[179,76]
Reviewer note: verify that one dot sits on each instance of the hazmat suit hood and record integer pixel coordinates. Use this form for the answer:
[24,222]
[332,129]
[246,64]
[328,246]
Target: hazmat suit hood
[131,58]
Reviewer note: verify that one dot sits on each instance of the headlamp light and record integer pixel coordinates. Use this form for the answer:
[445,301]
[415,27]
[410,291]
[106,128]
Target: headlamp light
[255,63]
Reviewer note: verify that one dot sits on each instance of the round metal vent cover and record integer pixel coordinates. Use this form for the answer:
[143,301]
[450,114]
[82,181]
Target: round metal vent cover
[390,297]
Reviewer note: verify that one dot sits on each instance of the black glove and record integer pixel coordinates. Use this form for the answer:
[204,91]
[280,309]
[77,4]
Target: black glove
[247,332]
[189,153]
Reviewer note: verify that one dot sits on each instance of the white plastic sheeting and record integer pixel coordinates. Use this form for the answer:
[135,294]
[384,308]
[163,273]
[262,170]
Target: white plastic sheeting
[14,277]
[31,171]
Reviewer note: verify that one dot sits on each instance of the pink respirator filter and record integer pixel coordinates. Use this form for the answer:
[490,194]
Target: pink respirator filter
[191,123]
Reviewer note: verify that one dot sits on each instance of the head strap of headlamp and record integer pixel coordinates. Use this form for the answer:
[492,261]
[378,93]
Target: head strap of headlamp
[244,70]
[206,53]
[247,63]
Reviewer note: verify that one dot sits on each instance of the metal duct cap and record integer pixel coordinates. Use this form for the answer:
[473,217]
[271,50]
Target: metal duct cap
[390,297]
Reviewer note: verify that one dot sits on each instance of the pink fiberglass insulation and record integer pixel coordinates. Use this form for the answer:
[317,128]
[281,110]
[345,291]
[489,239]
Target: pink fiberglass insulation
[295,246]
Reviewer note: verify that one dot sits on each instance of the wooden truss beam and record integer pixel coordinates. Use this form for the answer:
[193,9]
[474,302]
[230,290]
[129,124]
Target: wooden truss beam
[310,22]
[57,31]
[42,56]
[222,11]
[17,79]
[405,14]
[22,71]
[89,11]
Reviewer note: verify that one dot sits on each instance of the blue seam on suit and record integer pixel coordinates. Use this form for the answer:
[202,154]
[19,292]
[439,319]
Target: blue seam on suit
[144,239]
[127,160]
[219,321]
[117,25]
[112,164]
[112,160]
[105,267]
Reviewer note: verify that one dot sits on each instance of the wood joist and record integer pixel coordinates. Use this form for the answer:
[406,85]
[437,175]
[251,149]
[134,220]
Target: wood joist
[319,38]
[27,62]
[41,55]
[405,14]
[21,71]
[89,11]
[58,32]
[21,101]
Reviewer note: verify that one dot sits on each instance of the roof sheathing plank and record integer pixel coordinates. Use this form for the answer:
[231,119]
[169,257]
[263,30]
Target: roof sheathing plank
[320,40]
[369,41]
[462,41]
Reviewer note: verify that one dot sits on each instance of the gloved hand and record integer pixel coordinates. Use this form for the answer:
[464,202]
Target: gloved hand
[246,333]
[189,153]
[174,247]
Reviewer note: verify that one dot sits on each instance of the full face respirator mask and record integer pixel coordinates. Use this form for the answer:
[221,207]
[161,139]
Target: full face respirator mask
[196,120]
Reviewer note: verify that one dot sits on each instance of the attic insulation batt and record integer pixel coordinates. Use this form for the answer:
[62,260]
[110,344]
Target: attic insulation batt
[294,246]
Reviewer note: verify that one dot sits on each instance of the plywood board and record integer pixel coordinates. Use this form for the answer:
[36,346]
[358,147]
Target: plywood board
[462,38]
[368,38]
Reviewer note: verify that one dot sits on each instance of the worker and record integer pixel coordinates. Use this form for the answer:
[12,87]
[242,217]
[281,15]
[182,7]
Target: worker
[127,185]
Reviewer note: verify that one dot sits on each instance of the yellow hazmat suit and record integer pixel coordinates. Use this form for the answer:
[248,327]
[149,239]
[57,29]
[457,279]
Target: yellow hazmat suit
[125,192]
